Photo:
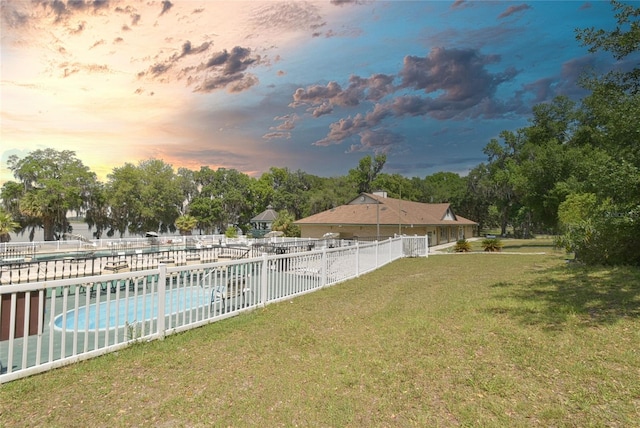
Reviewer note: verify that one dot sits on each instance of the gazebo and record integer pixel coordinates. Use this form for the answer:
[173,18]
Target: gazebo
[262,222]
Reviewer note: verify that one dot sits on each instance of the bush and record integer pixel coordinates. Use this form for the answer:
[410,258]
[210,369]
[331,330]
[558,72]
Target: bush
[599,233]
[231,232]
[462,246]
[492,244]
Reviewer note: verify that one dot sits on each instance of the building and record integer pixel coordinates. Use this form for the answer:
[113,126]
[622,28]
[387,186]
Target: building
[262,222]
[378,216]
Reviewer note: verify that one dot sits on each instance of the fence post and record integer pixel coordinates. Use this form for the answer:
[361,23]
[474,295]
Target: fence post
[377,243]
[264,281]
[162,292]
[357,259]
[426,245]
[323,279]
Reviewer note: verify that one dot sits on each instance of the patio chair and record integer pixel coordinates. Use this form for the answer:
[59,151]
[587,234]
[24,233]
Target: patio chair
[234,289]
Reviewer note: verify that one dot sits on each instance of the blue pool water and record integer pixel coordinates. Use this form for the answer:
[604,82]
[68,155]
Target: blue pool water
[133,309]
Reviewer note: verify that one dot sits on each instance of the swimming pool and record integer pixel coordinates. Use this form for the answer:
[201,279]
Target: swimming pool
[132,309]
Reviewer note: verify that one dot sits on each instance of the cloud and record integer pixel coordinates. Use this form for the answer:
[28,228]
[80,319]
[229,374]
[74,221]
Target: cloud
[343,129]
[458,81]
[233,62]
[189,49]
[377,141]
[277,136]
[233,83]
[166,5]
[288,122]
[316,94]
[324,108]
[87,4]
[458,77]
[458,4]
[349,2]
[97,43]
[69,69]
[12,17]
[223,69]
[287,16]
[62,11]
[159,69]
[564,83]
[81,26]
[228,69]
[512,10]
[325,98]
[445,84]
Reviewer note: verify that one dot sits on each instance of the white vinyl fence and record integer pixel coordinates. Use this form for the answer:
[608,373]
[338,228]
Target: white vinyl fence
[48,324]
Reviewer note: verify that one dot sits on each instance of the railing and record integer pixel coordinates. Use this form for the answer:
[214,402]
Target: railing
[48,324]
[70,263]
[13,249]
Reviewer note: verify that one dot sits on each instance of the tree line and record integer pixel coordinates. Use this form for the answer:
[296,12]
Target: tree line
[152,196]
[574,172]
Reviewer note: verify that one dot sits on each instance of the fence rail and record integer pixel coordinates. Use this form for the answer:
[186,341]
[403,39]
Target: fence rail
[51,323]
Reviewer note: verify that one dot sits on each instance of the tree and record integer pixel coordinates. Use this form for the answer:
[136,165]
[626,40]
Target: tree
[368,169]
[546,158]
[186,223]
[598,232]
[187,182]
[53,183]
[291,190]
[11,194]
[124,199]
[621,42]
[144,198]
[445,187]
[231,232]
[7,226]
[208,213]
[478,197]
[233,189]
[284,222]
[97,210]
[504,174]
[161,197]
[396,186]
[330,193]
[602,209]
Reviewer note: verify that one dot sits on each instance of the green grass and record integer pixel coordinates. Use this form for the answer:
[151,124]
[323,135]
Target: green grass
[469,340]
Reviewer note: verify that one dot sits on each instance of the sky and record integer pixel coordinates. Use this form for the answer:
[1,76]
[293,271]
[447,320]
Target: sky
[313,86]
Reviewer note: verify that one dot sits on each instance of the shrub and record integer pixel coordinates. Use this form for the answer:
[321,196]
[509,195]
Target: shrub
[231,232]
[491,244]
[462,246]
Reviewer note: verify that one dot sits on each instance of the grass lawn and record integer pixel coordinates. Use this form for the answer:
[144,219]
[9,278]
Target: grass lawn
[466,339]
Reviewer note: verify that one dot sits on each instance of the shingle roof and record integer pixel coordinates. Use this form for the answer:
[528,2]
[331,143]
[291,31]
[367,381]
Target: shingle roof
[267,215]
[369,209]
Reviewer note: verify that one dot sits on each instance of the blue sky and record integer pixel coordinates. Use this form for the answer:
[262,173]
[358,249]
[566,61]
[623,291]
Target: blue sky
[305,85]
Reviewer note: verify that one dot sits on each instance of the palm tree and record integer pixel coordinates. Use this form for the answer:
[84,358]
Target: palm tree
[7,226]
[186,223]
